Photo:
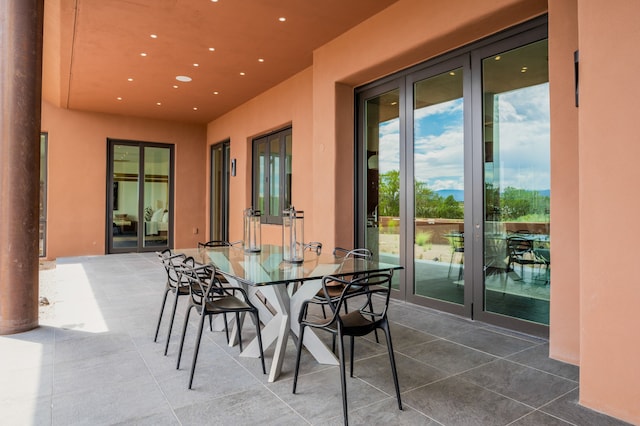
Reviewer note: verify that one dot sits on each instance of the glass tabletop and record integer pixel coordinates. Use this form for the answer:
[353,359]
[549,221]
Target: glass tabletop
[267,267]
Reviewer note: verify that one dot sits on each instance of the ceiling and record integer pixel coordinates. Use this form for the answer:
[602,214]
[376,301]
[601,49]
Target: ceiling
[253,50]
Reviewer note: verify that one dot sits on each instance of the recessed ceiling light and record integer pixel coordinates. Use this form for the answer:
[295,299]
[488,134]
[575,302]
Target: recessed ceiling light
[153,36]
[260,60]
[452,73]
[183,78]
[282,19]
[175,86]
[216,93]
[497,58]
[214,1]
[143,54]
[242,73]
[211,49]
[130,79]
[158,103]
[196,65]
[119,98]
[195,108]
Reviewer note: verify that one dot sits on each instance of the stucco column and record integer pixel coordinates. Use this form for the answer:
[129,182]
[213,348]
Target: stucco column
[20,97]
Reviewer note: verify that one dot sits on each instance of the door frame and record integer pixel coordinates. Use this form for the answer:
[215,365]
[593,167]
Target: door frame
[109,249]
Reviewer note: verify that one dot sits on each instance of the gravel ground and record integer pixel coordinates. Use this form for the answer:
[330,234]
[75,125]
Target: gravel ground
[47,289]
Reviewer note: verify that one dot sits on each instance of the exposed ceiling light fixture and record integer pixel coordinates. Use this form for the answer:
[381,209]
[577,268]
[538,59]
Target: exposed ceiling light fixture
[183,78]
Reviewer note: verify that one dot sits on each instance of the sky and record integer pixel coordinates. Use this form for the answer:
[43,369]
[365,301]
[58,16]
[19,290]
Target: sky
[521,134]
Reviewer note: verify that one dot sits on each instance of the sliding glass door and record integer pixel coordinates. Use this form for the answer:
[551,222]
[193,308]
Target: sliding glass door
[140,197]
[453,180]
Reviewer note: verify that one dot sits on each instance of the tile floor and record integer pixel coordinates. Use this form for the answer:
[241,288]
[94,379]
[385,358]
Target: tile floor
[93,361]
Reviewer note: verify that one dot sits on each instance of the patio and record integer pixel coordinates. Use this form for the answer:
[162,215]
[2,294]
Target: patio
[93,361]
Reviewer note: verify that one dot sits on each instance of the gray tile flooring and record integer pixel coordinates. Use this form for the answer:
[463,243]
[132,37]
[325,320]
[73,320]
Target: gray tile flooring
[92,361]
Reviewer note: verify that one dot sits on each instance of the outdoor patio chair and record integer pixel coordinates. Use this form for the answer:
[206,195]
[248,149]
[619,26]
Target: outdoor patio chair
[357,323]
[521,251]
[173,285]
[209,297]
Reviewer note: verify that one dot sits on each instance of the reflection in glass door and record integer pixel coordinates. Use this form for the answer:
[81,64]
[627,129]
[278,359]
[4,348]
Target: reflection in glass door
[454,179]
[139,216]
[382,159]
[438,186]
[517,183]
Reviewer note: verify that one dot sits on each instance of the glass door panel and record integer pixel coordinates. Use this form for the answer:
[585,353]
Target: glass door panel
[125,196]
[220,171]
[438,187]
[156,197]
[139,214]
[382,165]
[517,183]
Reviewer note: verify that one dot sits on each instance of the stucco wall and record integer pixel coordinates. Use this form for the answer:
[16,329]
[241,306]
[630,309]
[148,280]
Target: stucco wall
[609,174]
[77,164]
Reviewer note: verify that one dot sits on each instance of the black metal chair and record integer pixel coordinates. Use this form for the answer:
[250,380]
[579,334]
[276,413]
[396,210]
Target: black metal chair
[173,285]
[359,322]
[521,251]
[209,297]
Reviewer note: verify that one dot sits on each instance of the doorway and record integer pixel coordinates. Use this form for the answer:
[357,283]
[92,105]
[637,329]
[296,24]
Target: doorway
[454,171]
[139,196]
[221,169]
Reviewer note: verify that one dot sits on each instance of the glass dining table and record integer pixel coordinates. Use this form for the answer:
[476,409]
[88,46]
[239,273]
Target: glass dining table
[265,272]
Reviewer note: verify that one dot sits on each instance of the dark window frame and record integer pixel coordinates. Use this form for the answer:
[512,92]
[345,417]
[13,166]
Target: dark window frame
[258,189]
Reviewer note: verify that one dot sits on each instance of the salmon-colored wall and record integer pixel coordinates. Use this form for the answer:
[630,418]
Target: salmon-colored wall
[287,104]
[77,165]
[564,330]
[609,174]
[321,109]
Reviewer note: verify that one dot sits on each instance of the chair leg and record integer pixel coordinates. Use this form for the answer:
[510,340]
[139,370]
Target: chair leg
[352,341]
[298,352]
[173,315]
[239,330]
[385,327]
[256,317]
[164,301]
[184,332]
[196,350]
[343,378]
[370,303]
[226,326]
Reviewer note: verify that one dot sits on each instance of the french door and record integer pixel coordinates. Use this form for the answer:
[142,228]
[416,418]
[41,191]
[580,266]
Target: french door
[139,196]
[453,169]
[221,169]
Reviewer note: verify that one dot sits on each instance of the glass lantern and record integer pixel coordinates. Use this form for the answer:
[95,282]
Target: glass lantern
[252,234]
[293,235]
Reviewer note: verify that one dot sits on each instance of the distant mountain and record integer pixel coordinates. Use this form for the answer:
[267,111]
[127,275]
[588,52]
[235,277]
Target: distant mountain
[458,194]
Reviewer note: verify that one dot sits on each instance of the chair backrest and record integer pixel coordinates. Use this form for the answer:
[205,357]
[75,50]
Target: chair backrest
[519,246]
[362,253]
[169,261]
[457,241]
[199,279]
[215,243]
[314,246]
[362,288]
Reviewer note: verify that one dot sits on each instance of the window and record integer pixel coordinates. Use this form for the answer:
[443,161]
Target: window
[43,195]
[272,175]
